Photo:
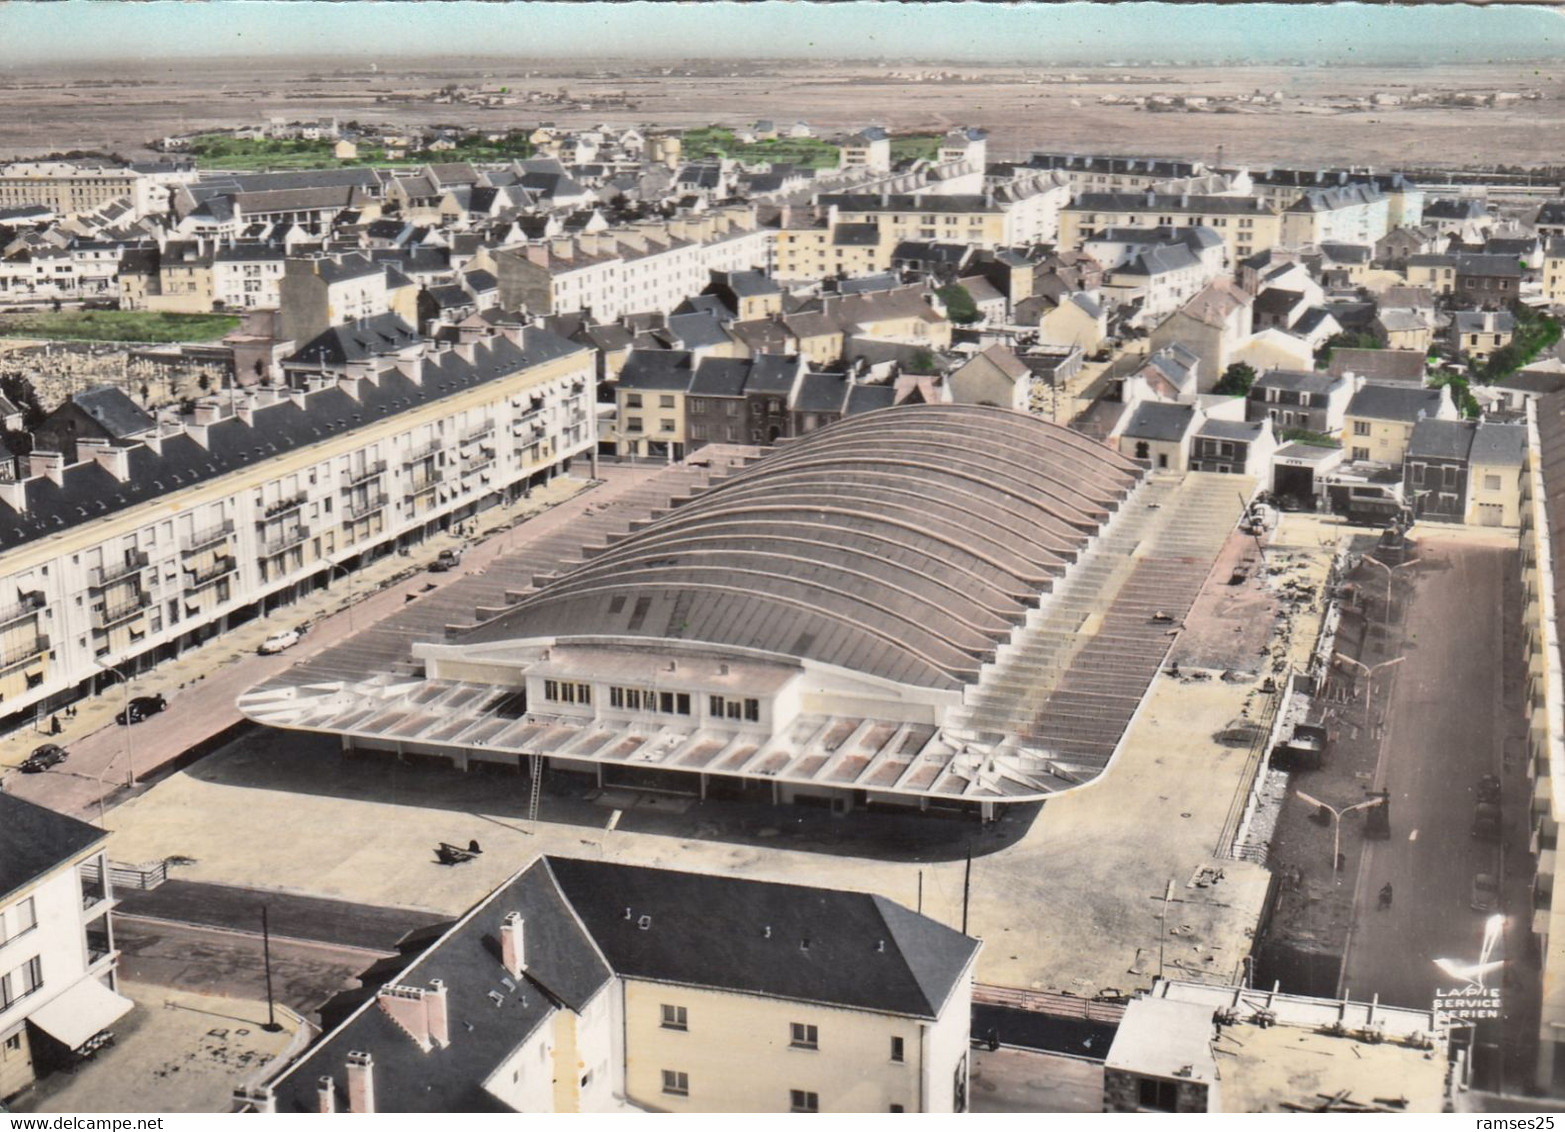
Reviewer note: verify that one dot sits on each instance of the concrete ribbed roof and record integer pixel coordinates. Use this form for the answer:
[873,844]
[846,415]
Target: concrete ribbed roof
[904,543]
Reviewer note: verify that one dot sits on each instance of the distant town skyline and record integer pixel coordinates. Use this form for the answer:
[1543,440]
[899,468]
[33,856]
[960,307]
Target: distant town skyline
[34,33]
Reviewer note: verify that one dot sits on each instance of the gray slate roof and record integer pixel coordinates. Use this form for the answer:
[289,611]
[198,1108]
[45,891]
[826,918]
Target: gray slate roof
[35,840]
[1157,420]
[1499,444]
[1441,440]
[1393,403]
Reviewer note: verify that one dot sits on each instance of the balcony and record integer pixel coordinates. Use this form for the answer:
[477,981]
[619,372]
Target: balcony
[289,538]
[221,566]
[424,481]
[367,506]
[100,576]
[477,434]
[107,616]
[283,506]
[15,656]
[29,604]
[423,452]
[209,537]
[366,473]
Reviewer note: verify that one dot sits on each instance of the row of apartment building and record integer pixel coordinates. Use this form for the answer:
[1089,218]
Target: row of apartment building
[148,536]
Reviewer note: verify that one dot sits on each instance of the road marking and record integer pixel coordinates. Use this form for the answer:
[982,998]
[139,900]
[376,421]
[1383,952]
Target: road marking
[1413,836]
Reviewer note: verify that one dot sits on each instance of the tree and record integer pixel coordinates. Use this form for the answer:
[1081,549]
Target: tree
[1461,393]
[960,307]
[204,382]
[1236,380]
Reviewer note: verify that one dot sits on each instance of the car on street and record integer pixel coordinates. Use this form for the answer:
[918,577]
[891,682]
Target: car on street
[1486,893]
[140,708]
[280,642]
[44,757]
[1486,822]
[1489,789]
[446,560]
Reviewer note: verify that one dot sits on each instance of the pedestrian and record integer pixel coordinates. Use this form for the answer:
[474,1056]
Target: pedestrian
[1385,896]
[54,725]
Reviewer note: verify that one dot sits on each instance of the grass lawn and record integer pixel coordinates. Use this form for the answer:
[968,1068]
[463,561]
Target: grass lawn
[915,146]
[117,326]
[717,142]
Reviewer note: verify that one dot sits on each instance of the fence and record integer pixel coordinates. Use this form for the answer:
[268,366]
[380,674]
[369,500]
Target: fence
[127,876]
[1049,1002]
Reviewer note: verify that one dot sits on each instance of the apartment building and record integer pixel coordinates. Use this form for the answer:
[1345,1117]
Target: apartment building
[148,545]
[67,188]
[648,267]
[248,276]
[1246,224]
[1021,211]
[317,293]
[869,148]
[58,965]
[588,986]
[1356,214]
[1282,188]
[1114,174]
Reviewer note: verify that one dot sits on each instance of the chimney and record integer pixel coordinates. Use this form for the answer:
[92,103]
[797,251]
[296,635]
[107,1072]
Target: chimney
[513,953]
[116,461]
[538,254]
[13,493]
[328,1095]
[244,409]
[361,1082]
[208,411]
[51,464]
[435,1009]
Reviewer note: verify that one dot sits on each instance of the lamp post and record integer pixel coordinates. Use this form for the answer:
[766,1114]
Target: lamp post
[1336,822]
[1389,570]
[130,770]
[1369,677]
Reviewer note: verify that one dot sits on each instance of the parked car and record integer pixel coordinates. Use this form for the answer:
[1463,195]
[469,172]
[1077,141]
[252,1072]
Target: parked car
[1486,821]
[44,757]
[140,708]
[1486,893]
[446,560]
[1489,789]
[279,642]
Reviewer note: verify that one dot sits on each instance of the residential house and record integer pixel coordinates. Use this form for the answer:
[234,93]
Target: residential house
[1497,462]
[321,292]
[1436,469]
[1295,399]
[1079,321]
[1550,221]
[1437,273]
[611,988]
[651,391]
[1379,421]
[59,988]
[1241,447]
[1537,380]
[1465,218]
[1490,280]
[1212,325]
[1171,374]
[1402,328]
[968,144]
[1161,279]
[1273,348]
[1478,334]
[1553,274]
[1380,367]
[248,276]
[995,376]
[104,415]
[1158,433]
[1397,246]
[869,148]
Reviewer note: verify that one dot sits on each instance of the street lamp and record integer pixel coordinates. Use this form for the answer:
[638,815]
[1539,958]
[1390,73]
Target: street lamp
[1369,677]
[130,770]
[1389,570]
[1336,822]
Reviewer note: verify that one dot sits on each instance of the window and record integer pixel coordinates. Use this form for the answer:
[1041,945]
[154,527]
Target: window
[632,424]
[13,1044]
[21,982]
[665,425]
[633,400]
[616,697]
[752,710]
[1159,1096]
[1360,428]
[802,1036]
[1361,453]
[1450,476]
[1418,475]
[1491,483]
[676,1084]
[897,1050]
[800,1101]
[666,401]
[19,919]
[714,707]
[675,1018]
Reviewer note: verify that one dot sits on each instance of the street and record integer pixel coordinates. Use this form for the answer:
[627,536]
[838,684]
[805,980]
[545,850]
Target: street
[1441,718]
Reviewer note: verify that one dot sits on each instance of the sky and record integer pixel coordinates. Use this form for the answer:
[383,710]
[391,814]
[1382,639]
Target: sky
[65,30]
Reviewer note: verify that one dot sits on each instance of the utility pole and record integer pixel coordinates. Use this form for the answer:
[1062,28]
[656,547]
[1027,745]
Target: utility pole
[1336,822]
[967,884]
[271,1026]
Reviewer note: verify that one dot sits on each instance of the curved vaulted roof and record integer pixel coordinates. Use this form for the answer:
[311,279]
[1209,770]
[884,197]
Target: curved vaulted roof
[904,543]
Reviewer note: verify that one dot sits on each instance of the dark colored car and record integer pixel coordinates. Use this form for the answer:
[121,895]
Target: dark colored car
[446,560]
[1489,789]
[1486,821]
[1486,893]
[46,756]
[140,708]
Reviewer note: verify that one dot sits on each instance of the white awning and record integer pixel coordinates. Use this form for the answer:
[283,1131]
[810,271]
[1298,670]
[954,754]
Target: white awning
[75,1016]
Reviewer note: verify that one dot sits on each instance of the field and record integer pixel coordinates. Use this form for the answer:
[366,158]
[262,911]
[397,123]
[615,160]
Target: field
[217,151]
[1025,109]
[117,326]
